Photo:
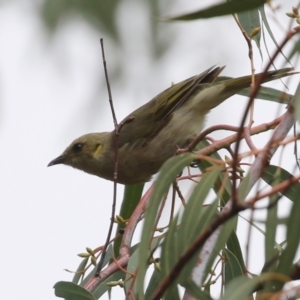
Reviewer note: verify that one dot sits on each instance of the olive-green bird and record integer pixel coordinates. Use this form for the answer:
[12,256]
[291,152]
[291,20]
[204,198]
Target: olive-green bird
[157,130]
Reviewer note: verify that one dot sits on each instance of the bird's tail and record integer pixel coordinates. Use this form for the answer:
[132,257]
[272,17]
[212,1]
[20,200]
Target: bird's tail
[236,84]
[222,88]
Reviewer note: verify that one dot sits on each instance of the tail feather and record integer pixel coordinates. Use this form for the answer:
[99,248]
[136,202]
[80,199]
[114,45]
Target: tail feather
[220,90]
[245,81]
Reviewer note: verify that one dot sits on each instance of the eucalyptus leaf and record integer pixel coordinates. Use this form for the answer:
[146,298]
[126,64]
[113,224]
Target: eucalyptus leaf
[225,8]
[285,264]
[275,174]
[233,268]
[72,291]
[78,274]
[196,291]
[167,175]
[250,20]
[267,26]
[131,198]
[233,245]
[297,103]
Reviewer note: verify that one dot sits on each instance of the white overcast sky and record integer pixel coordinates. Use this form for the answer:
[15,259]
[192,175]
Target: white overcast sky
[49,95]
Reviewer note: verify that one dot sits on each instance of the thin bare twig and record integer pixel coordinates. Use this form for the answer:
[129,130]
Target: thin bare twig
[108,86]
[118,128]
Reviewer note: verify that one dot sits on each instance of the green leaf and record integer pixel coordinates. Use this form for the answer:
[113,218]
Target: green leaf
[194,221]
[155,280]
[222,236]
[243,188]
[71,291]
[243,287]
[196,291]
[269,94]
[222,181]
[132,266]
[250,20]
[285,264]
[271,252]
[297,103]
[156,276]
[131,198]
[172,293]
[223,233]
[233,268]
[271,228]
[234,247]
[262,231]
[226,8]
[275,174]
[167,175]
[103,287]
[169,258]
[196,216]
[78,274]
[295,49]
[226,234]
[240,288]
[266,24]
[208,214]
[272,221]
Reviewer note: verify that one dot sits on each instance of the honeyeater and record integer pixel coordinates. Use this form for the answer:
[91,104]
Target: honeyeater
[157,129]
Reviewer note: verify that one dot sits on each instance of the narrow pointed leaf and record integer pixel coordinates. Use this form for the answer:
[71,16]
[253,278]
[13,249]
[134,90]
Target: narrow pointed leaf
[196,291]
[233,269]
[285,265]
[72,291]
[250,20]
[273,174]
[297,103]
[225,8]
[79,273]
[167,175]
[267,26]
[222,181]
[234,247]
[132,196]
[195,219]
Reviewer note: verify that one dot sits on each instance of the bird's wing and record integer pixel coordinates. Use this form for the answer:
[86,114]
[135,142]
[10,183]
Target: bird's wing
[148,120]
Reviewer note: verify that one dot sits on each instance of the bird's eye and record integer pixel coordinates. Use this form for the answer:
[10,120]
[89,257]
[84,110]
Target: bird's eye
[77,147]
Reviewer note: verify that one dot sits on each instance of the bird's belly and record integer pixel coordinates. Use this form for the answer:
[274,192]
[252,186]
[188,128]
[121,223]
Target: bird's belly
[141,163]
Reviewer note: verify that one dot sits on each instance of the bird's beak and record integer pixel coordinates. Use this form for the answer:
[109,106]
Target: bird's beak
[58,160]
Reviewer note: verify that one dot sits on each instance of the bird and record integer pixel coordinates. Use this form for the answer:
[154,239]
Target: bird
[153,133]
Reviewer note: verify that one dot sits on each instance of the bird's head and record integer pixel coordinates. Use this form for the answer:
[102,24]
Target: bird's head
[89,153]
